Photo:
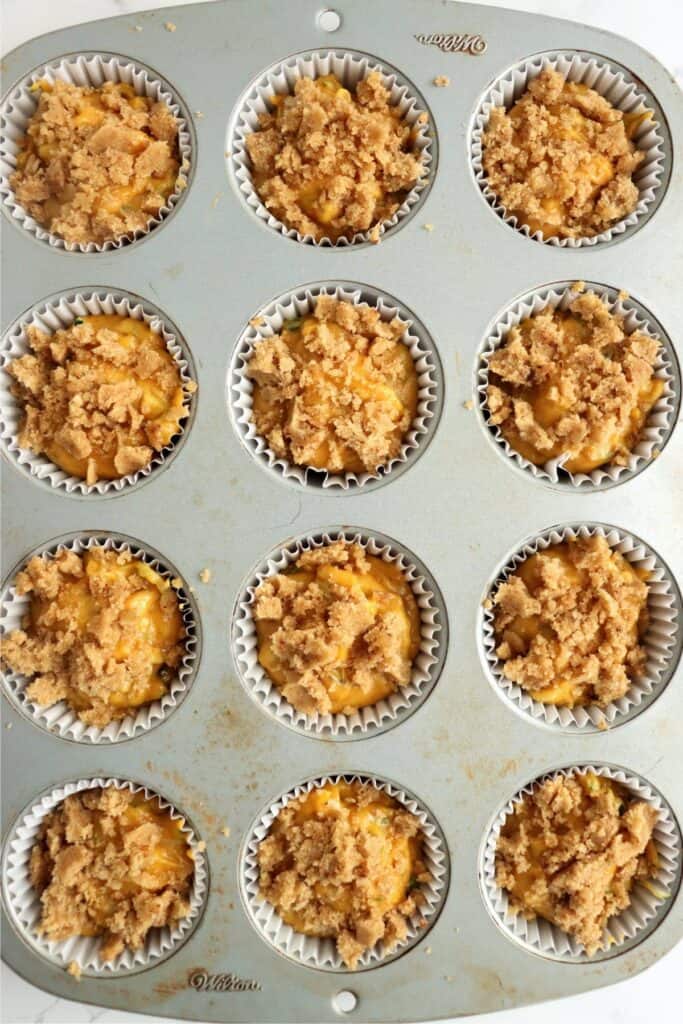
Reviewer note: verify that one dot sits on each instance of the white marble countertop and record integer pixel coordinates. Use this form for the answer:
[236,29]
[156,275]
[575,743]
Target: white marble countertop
[658,26]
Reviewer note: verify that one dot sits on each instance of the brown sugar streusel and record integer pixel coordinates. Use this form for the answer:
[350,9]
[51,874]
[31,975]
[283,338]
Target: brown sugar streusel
[96,164]
[562,159]
[331,162]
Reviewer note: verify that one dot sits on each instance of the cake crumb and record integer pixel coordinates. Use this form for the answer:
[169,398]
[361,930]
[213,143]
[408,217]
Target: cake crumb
[170,26]
[257,321]
[176,583]
[198,114]
[74,969]
[468,404]
[428,950]
[374,234]
[602,725]
[656,453]
[428,227]
[487,603]
[579,286]
[205,575]
[441,81]
[201,846]
[225,831]
[623,295]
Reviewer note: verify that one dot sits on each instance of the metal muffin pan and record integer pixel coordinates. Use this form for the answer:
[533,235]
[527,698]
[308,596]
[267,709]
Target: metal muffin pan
[459,508]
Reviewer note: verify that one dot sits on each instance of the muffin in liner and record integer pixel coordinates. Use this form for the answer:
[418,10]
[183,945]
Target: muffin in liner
[375,718]
[88,70]
[649,904]
[321,953]
[658,425]
[269,321]
[662,640]
[23,905]
[59,311]
[350,67]
[60,719]
[623,91]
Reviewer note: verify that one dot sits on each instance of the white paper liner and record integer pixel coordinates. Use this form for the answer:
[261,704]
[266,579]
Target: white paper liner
[50,316]
[60,719]
[659,423]
[23,902]
[301,303]
[365,721]
[624,930]
[621,90]
[661,640]
[322,953]
[85,70]
[350,67]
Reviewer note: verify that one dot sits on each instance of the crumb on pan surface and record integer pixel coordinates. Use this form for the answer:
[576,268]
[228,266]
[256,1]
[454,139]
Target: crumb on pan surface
[96,164]
[561,160]
[345,861]
[112,864]
[569,623]
[573,383]
[100,396]
[571,851]
[329,162]
[104,633]
[338,630]
[336,390]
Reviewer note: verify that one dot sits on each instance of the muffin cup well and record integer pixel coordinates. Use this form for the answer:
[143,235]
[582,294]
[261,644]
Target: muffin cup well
[350,67]
[623,91]
[60,719]
[299,303]
[649,904]
[23,902]
[662,640]
[659,424]
[374,718]
[322,953]
[58,312]
[87,70]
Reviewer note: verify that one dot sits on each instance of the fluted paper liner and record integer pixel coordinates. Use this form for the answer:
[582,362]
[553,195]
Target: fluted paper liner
[369,720]
[661,640]
[53,315]
[88,70]
[621,90]
[350,67]
[60,719]
[301,303]
[322,952]
[23,901]
[624,930]
[659,423]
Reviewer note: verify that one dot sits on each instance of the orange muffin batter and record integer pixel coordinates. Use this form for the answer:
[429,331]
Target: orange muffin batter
[96,164]
[338,630]
[104,632]
[561,160]
[111,863]
[100,397]
[344,861]
[569,623]
[336,390]
[331,163]
[571,851]
[574,384]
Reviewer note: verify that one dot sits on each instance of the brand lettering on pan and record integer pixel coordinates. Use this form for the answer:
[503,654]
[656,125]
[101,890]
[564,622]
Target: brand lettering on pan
[202,981]
[455,42]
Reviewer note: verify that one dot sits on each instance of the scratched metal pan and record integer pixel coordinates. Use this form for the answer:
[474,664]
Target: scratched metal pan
[456,504]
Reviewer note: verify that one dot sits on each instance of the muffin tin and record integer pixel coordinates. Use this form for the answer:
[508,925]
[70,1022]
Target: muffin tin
[210,266]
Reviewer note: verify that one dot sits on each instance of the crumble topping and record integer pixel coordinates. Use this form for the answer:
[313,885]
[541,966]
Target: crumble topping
[110,863]
[573,383]
[99,397]
[336,390]
[571,852]
[96,163]
[561,160]
[104,632]
[569,623]
[337,630]
[329,162]
[345,861]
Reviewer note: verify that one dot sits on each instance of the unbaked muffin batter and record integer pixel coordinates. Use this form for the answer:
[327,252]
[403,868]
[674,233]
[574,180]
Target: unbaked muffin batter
[337,630]
[104,632]
[344,861]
